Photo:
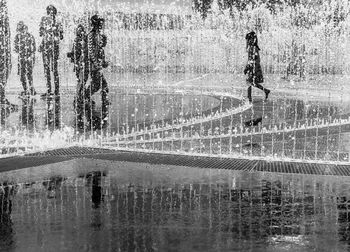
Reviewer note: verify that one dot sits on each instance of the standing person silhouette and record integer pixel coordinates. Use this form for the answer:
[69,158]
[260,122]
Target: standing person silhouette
[25,47]
[253,68]
[97,41]
[52,32]
[5,57]
[79,56]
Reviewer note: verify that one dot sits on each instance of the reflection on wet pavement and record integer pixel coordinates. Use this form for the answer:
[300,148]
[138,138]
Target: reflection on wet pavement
[132,107]
[120,206]
[129,109]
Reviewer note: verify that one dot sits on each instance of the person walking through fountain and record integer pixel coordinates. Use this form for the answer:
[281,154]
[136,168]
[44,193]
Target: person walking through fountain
[253,68]
[25,47]
[97,41]
[79,56]
[52,32]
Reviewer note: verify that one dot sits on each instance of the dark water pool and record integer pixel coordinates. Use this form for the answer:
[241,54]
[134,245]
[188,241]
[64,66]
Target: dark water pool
[91,205]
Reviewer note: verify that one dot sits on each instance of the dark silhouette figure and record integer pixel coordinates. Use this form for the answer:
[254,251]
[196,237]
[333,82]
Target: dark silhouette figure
[96,44]
[253,68]
[96,195]
[52,32]
[79,56]
[5,57]
[25,47]
[93,179]
[7,192]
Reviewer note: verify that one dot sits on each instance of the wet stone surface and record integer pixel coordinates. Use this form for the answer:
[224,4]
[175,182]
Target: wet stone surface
[280,127]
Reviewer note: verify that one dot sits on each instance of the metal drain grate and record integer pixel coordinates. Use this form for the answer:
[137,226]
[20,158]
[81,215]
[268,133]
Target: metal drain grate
[71,151]
[60,155]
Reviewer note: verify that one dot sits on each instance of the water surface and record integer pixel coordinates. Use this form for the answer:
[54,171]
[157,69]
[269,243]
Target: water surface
[87,205]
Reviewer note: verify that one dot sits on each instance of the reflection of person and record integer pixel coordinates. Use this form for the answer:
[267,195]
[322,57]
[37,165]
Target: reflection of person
[79,56]
[52,32]
[93,179]
[96,195]
[253,69]
[96,43]
[25,47]
[6,225]
[53,186]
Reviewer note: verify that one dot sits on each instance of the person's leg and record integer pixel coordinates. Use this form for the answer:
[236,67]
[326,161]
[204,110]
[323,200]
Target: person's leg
[57,112]
[2,102]
[98,81]
[46,62]
[24,114]
[266,91]
[55,71]
[88,93]
[79,101]
[105,101]
[22,72]
[30,110]
[30,65]
[250,94]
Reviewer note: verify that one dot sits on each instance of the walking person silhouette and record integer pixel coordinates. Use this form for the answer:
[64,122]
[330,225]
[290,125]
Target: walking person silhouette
[52,32]
[25,47]
[253,68]
[79,56]
[97,41]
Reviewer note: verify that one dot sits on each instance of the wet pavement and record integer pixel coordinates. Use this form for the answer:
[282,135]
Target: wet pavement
[128,107]
[134,109]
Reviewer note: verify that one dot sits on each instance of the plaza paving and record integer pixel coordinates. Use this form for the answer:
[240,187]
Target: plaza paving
[301,120]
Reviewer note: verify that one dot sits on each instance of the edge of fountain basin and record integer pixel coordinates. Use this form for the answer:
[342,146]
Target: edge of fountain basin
[228,162]
[269,159]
